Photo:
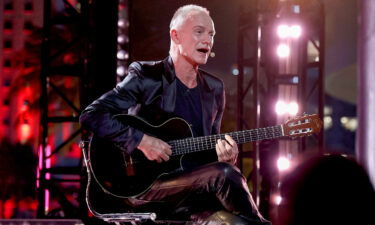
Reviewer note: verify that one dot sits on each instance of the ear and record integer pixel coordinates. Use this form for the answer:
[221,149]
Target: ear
[175,36]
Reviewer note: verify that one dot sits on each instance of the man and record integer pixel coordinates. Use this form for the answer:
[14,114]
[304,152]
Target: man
[176,86]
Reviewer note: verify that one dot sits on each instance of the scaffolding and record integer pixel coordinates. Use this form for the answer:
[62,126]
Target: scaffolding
[63,73]
[263,78]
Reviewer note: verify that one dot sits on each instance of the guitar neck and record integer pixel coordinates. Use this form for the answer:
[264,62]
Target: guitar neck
[190,145]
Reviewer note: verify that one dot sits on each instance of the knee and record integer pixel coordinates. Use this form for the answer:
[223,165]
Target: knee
[228,171]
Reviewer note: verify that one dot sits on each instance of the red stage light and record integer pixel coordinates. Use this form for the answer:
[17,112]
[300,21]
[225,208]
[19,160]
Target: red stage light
[25,132]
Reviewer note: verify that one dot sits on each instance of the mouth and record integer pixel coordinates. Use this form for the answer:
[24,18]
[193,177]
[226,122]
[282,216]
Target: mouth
[203,50]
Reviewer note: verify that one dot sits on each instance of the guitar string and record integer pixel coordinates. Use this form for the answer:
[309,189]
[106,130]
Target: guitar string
[183,146]
[195,144]
[262,135]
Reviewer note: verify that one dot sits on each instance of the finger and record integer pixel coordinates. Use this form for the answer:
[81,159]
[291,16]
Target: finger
[230,140]
[224,151]
[221,145]
[164,157]
[219,152]
[165,147]
[233,144]
[228,147]
[168,150]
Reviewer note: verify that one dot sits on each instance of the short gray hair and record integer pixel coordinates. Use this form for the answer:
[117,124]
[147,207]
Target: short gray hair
[182,12]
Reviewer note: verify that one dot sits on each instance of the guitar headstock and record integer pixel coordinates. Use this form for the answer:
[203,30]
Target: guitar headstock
[302,126]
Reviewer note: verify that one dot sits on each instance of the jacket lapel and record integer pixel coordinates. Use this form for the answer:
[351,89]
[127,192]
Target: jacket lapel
[169,86]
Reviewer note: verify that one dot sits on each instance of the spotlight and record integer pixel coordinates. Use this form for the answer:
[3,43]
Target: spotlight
[235,71]
[293,108]
[295,31]
[121,71]
[277,199]
[121,39]
[283,163]
[283,31]
[25,132]
[121,23]
[282,108]
[122,54]
[283,50]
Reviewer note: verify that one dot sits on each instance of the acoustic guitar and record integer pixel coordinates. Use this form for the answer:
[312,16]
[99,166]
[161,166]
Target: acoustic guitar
[124,175]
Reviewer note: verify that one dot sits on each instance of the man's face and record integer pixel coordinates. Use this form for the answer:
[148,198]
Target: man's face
[196,38]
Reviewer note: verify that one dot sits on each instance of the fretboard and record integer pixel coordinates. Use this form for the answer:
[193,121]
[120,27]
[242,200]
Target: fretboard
[190,145]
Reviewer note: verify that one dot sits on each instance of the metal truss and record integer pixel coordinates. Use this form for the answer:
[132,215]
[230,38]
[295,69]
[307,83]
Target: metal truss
[259,79]
[63,58]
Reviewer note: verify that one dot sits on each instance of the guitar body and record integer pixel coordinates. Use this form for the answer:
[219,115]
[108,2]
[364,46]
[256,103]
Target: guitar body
[126,175]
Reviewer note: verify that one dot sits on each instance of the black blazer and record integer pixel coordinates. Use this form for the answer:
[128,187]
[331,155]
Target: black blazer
[149,91]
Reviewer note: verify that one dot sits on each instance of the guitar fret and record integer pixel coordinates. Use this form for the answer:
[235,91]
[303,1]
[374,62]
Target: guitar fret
[271,133]
[269,136]
[248,136]
[264,133]
[195,144]
[188,144]
[243,136]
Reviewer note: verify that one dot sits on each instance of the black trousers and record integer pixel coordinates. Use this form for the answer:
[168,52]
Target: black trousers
[199,192]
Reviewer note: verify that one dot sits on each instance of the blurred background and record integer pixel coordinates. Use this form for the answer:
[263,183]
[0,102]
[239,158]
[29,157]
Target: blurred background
[278,59]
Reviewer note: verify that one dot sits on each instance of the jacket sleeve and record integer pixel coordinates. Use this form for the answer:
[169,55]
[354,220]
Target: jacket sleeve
[220,99]
[98,116]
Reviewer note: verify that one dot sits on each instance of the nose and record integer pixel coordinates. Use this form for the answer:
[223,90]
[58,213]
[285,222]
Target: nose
[208,39]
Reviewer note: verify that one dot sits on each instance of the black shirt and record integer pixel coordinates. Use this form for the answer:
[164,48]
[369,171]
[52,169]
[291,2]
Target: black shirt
[189,107]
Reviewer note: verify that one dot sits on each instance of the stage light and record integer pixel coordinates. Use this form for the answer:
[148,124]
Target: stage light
[25,132]
[48,162]
[122,55]
[349,123]
[293,108]
[235,71]
[283,50]
[296,9]
[295,31]
[327,122]
[122,39]
[121,71]
[281,107]
[283,163]
[283,31]
[121,23]
[277,199]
